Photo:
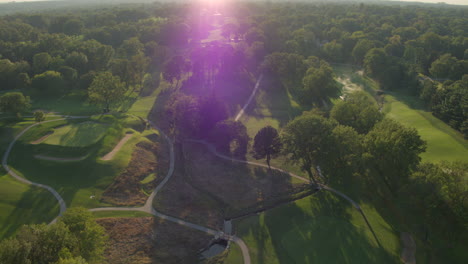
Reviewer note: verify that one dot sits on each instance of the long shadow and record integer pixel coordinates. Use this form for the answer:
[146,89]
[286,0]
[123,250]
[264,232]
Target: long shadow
[324,235]
[35,206]
[66,177]
[276,99]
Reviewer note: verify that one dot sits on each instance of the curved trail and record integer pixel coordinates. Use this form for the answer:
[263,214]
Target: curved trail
[63,206]
[148,207]
[252,95]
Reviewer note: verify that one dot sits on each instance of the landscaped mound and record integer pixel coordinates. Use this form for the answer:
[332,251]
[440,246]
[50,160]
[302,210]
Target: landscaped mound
[77,135]
[126,189]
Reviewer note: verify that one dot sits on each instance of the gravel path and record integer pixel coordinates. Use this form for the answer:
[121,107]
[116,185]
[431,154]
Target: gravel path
[117,147]
[241,112]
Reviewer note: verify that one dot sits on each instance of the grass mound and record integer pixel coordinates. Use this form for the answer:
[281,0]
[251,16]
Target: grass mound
[77,135]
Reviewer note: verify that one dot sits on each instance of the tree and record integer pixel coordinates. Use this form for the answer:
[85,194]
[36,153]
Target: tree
[173,69]
[231,137]
[90,235]
[393,151]
[358,111]
[182,112]
[448,67]
[14,103]
[41,62]
[319,85]
[39,116]
[307,139]
[48,83]
[76,238]
[106,89]
[267,144]
[211,111]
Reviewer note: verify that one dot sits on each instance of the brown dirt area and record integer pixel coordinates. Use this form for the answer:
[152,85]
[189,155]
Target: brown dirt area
[126,190]
[151,240]
[206,189]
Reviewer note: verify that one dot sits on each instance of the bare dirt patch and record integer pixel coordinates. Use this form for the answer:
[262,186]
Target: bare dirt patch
[151,240]
[206,189]
[127,187]
[117,147]
[42,139]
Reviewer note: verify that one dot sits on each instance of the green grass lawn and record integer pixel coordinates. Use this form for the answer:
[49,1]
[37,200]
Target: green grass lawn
[77,181]
[443,142]
[77,135]
[22,204]
[318,229]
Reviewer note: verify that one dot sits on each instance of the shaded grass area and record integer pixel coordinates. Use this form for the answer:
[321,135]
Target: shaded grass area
[19,203]
[151,240]
[77,135]
[73,103]
[318,229]
[22,204]
[80,183]
[443,142]
[273,105]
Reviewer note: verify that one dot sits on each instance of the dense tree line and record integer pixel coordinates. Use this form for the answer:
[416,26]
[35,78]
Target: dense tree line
[75,238]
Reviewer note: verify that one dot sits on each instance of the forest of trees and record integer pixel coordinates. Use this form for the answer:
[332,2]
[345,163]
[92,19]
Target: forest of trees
[103,54]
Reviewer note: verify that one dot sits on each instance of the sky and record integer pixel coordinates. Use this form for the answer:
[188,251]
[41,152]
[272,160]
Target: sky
[457,2]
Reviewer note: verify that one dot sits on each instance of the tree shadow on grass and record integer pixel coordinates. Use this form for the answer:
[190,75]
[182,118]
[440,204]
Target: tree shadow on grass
[34,207]
[273,96]
[322,235]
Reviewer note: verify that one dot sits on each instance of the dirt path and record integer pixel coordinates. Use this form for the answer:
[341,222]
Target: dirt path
[241,112]
[63,206]
[40,140]
[42,157]
[117,147]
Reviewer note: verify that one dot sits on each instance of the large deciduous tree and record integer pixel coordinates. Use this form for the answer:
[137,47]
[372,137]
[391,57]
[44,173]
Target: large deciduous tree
[75,238]
[267,144]
[307,139]
[357,111]
[182,113]
[106,89]
[231,137]
[319,85]
[393,151]
[14,103]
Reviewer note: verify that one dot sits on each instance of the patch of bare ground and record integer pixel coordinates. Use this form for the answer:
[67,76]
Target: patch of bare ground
[180,199]
[206,189]
[151,240]
[243,188]
[126,190]
[41,139]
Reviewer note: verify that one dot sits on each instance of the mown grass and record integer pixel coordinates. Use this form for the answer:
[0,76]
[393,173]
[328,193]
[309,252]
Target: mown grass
[22,204]
[443,142]
[318,229]
[19,203]
[77,135]
[77,182]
